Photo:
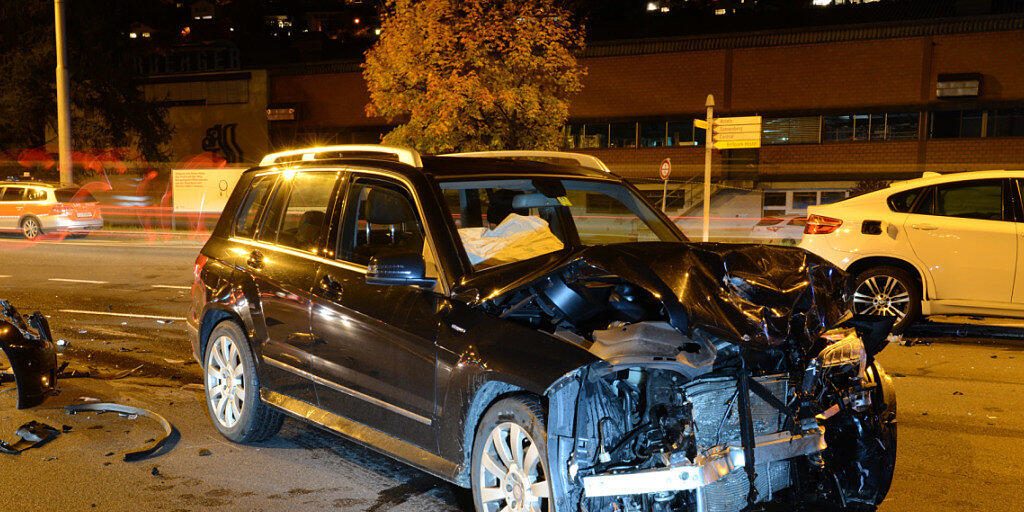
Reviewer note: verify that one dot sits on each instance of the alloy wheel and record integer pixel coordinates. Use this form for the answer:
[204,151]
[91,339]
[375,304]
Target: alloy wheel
[511,476]
[30,228]
[882,295]
[225,381]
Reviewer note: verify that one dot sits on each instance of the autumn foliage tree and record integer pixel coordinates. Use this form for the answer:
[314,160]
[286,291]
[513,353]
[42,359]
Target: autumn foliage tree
[465,75]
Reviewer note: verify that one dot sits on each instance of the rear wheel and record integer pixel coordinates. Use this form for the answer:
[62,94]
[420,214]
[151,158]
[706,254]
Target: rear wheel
[233,389]
[888,291]
[30,227]
[509,465]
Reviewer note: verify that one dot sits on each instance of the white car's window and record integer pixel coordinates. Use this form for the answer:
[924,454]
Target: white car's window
[970,200]
[35,194]
[11,194]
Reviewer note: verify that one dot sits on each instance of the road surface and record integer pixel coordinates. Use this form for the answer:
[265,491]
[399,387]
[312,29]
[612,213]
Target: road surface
[119,304]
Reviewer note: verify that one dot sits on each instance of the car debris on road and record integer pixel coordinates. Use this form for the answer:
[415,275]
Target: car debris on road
[131,413]
[29,347]
[32,434]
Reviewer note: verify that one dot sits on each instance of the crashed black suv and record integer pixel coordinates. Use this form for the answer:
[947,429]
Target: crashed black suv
[536,331]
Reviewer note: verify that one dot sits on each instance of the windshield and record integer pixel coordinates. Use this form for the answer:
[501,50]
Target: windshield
[505,220]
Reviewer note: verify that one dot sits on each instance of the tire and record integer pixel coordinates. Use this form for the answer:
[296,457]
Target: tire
[503,475]
[30,228]
[233,389]
[888,291]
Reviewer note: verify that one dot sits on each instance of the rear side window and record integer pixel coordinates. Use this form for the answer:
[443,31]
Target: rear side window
[904,201]
[252,207]
[10,194]
[35,194]
[73,195]
[297,212]
[979,199]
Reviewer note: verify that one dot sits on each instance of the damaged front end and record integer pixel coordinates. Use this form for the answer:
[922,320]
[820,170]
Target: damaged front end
[731,378]
[28,345]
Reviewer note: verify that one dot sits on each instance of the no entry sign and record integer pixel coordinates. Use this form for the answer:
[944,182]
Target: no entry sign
[666,168]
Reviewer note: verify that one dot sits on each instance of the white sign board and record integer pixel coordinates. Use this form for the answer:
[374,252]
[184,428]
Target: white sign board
[203,190]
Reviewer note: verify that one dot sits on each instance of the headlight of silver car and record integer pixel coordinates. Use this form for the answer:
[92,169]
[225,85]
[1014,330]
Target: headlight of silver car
[847,351]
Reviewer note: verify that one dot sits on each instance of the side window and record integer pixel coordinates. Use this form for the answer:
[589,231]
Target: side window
[979,199]
[307,208]
[35,194]
[902,202]
[379,218]
[11,194]
[253,205]
[272,219]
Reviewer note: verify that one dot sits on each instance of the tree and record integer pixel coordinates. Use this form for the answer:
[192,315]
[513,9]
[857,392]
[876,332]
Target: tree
[463,75]
[107,107]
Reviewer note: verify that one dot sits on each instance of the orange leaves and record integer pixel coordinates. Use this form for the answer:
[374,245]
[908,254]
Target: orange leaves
[474,74]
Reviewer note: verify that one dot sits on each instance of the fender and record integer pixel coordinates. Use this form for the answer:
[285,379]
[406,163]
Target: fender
[32,356]
[480,358]
[220,298]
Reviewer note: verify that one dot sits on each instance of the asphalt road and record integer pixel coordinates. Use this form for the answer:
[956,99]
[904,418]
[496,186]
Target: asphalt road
[119,300]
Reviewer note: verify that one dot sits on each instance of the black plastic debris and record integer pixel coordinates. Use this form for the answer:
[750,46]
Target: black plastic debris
[33,434]
[28,345]
[131,412]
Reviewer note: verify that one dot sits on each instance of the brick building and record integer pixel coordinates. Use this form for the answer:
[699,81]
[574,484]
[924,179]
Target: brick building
[840,105]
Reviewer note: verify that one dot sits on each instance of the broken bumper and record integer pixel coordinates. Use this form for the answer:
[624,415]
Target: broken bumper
[714,464]
[34,363]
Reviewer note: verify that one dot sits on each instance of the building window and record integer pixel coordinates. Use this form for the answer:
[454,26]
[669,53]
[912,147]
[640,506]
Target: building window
[595,135]
[682,133]
[574,136]
[652,134]
[837,128]
[778,203]
[622,135]
[791,130]
[951,124]
[902,125]
[1006,122]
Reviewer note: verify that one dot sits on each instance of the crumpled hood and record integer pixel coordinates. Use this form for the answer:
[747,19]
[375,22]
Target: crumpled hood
[752,295]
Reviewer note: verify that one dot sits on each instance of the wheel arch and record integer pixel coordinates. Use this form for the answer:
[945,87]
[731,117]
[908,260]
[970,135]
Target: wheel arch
[878,261]
[213,317]
[31,216]
[486,395]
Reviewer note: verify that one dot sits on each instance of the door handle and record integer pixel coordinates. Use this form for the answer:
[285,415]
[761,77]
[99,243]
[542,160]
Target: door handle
[924,227]
[330,284]
[255,259]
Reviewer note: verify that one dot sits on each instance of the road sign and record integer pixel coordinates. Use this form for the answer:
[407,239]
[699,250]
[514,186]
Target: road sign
[737,136]
[737,144]
[722,121]
[738,128]
[666,168]
[700,123]
[202,190]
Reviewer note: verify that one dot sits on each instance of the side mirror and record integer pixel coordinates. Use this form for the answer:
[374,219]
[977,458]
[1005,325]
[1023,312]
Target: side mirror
[398,269]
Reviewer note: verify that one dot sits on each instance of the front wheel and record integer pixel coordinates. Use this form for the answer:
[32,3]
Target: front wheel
[233,389]
[509,465]
[888,291]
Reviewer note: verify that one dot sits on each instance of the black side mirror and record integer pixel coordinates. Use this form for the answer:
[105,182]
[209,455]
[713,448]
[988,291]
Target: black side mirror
[398,269]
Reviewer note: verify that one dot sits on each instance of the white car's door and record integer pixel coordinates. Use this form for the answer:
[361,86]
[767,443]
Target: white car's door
[10,206]
[967,241]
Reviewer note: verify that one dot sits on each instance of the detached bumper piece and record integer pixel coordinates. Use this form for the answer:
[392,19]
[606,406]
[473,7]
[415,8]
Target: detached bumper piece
[28,345]
[707,469]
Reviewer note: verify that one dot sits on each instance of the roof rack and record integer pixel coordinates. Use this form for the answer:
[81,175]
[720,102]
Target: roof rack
[589,161]
[405,155]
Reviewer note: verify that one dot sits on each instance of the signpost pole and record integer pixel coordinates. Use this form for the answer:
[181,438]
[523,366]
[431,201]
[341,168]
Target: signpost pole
[664,195]
[665,170]
[708,145]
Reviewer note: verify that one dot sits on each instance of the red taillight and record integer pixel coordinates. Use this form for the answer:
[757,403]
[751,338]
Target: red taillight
[821,225]
[198,267]
[198,290]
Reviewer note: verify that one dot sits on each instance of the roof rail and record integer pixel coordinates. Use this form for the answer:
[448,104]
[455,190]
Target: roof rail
[589,161]
[406,156]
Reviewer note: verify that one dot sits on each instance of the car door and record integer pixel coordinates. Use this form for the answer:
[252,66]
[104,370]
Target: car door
[374,353]
[1017,196]
[11,206]
[965,238]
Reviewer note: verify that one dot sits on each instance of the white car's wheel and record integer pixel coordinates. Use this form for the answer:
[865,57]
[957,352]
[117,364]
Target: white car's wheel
[30,228]
[232,388]
[509,465]
[888,291]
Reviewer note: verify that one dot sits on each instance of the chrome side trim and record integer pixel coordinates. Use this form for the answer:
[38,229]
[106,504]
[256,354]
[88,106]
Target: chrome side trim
[348,391]
[373,439]
[708,467]
[305,255]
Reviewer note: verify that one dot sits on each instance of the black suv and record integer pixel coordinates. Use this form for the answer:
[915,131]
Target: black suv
[536,331]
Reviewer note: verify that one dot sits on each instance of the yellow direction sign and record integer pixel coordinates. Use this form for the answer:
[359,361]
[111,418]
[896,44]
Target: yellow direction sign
[700,123]
[723,121]
[737,136]
[737,144]
[747,129]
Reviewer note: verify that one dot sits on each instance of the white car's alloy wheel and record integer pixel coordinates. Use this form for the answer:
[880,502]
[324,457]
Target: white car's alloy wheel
[882,295]
[225,381]
[511,474]
[30,228]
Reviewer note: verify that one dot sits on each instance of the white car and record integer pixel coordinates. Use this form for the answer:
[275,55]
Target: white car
[786,229]
[937,245]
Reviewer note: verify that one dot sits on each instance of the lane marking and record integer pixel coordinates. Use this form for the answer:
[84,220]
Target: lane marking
[4,276]
[128,315]
[172,286]
[87,281]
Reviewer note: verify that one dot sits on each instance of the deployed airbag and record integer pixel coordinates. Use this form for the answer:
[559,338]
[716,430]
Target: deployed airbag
[518,237]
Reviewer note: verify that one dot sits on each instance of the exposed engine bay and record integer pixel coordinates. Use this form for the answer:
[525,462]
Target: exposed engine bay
[727,382]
